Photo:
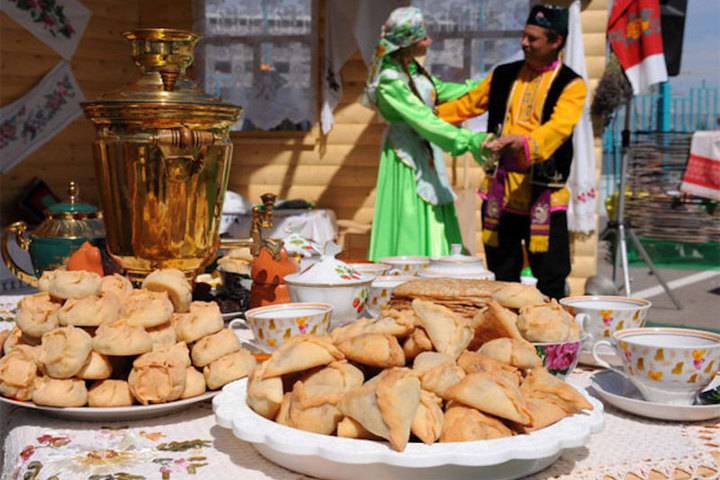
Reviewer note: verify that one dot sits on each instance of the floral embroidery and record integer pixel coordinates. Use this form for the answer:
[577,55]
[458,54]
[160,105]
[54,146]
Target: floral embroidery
[636,28]
[38,118]
[49,14]
[54,442]
[112,455]
[152,436]
[8,128]
[27,452]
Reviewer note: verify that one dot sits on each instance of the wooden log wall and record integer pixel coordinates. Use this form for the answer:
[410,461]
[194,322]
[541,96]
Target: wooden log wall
[101,63]
[337,171]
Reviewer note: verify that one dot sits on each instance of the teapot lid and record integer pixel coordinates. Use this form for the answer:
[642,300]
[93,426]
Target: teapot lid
[71,219]
[72,205]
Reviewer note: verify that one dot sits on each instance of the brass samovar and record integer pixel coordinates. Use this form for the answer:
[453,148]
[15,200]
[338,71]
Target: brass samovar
[162,159]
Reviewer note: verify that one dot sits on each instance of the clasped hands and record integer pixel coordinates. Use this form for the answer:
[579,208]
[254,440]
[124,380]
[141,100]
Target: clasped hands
[510,145]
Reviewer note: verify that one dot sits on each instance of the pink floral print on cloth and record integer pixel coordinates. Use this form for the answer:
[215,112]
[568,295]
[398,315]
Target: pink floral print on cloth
[113,454]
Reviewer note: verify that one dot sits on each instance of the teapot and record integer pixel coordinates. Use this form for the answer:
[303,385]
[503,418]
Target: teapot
[67,225]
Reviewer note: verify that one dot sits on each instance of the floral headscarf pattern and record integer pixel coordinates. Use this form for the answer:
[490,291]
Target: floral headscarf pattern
[403,27]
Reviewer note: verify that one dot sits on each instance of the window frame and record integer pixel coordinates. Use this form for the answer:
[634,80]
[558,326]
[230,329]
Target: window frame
[291,137]
[468,36]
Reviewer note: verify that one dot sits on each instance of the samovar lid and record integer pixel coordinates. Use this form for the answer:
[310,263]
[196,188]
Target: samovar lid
[162,95]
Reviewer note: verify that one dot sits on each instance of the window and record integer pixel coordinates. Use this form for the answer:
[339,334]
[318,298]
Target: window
[261,55]
[470,36]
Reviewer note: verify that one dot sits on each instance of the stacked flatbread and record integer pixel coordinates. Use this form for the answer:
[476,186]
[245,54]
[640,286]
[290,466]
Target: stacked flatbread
[97,341]
[409,374]
[494,309]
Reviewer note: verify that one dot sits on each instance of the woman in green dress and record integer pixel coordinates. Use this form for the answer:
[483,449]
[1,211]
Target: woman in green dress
[414,209]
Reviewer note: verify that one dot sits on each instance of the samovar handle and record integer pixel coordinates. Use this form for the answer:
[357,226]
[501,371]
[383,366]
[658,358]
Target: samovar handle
[17,230]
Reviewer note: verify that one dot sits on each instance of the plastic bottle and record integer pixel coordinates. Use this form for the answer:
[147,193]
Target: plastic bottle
[527,278]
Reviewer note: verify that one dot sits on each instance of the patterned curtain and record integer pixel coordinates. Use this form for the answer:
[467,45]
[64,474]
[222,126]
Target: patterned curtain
[262,55]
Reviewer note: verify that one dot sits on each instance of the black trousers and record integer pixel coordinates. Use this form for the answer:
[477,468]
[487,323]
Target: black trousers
[551,268]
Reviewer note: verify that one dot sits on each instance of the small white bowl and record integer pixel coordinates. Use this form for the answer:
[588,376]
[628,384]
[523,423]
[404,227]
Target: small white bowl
[374,269]
[348,298]
[405,265]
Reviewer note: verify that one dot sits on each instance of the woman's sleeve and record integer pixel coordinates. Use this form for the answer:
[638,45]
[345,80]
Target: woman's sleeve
[472,104]
[447,91]
[396,99]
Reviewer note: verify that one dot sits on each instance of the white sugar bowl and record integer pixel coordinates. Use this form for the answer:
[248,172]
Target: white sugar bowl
[334,282]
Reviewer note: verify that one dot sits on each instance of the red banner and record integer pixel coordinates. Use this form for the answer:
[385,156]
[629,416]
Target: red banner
[635,36]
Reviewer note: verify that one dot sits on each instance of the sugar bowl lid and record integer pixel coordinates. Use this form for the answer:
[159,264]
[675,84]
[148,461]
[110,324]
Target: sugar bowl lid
[457,265]
[329,271]
[297,245]
[456,257]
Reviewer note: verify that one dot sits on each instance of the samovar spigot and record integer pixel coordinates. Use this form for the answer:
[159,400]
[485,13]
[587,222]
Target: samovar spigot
[262,218]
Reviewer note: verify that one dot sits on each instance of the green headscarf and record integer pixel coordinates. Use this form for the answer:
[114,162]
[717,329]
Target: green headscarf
[404,27]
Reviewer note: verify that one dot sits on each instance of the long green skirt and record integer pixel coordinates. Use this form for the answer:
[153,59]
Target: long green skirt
[405,224]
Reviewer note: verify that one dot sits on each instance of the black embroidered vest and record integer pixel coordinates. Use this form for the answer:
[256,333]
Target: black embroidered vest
[554,171]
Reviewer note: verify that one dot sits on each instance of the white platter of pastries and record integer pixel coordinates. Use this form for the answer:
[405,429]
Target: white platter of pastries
[404,397]
[91,347]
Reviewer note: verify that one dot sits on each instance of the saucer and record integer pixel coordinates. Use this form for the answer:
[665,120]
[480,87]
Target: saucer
[619,392]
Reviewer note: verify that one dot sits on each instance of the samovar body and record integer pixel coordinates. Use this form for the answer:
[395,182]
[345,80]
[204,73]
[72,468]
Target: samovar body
[162,158]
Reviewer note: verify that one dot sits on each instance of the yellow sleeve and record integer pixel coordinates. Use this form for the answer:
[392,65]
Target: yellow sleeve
[543,141]
[470,105]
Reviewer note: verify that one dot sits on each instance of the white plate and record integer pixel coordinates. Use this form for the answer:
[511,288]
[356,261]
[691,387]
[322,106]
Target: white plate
[350,459]
[622,394]
[107,414]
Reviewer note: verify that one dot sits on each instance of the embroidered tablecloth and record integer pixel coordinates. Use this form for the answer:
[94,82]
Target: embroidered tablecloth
[189,445]
[702,174]
[318,224]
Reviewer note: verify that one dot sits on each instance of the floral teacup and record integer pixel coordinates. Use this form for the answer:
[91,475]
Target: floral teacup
[560,358]
[405,265]
[381,290]
[607,314]
[667,365]
[273,324]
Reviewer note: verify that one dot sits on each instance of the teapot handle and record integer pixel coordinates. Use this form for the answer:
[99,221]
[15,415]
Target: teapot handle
[17,229]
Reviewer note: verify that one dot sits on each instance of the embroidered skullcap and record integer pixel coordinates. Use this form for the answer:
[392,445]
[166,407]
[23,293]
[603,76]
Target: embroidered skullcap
[404,27]
[550,17]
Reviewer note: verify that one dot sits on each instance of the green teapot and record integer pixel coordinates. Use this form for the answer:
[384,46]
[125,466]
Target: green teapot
[66,227]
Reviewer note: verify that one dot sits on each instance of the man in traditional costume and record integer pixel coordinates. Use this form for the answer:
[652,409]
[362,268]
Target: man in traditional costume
[414,209]
[533,106]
